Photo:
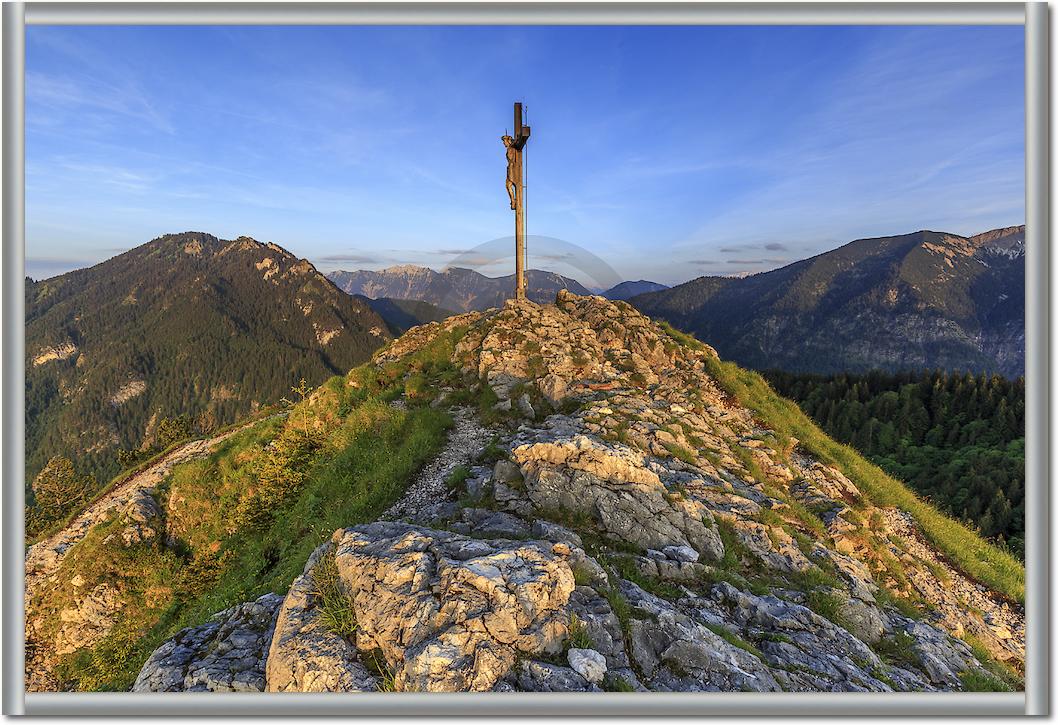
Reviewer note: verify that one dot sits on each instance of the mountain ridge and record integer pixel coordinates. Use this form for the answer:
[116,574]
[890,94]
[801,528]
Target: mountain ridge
[920,300]
[454,288]
[180,325]
[614,508]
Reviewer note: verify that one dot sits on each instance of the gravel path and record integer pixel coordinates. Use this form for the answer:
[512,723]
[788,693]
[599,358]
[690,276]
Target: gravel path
[466,440]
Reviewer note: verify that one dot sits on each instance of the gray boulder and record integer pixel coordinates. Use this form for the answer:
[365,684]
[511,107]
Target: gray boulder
[226,654]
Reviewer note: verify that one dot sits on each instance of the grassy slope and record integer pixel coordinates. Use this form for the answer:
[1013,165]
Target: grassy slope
[340,458]
[247,517]
[138,468]
[962,546]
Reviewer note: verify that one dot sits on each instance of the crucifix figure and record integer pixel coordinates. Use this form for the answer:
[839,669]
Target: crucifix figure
[512,169]
[514,146]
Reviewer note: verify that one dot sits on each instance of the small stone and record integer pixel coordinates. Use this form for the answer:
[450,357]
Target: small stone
[526,406]
[1002,632]
[681,553]
[553,532]
[477,486]
[561,549]
[587,663]
[507,471]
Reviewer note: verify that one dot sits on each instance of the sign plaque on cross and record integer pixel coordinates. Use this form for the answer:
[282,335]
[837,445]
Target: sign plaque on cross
[515,146]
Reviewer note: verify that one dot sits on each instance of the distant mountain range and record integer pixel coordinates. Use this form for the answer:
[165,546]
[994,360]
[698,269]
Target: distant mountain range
[455,288]
[922,300]
[185,324]
[462,290]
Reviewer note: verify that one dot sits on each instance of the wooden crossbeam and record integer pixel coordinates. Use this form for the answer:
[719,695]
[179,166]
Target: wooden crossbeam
[521,133]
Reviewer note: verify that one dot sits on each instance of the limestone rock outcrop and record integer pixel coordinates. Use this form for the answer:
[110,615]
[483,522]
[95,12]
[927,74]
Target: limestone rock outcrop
[606,516]
[450,613]
[305,655]
[226,654]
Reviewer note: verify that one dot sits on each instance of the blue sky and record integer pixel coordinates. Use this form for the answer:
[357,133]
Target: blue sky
[669,152]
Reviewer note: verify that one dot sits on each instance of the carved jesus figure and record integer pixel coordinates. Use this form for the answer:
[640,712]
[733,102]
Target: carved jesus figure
[512,168]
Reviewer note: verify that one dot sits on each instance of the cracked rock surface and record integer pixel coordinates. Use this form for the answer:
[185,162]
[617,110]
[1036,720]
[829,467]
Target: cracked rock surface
[450,613]
[226,654]
[641,530]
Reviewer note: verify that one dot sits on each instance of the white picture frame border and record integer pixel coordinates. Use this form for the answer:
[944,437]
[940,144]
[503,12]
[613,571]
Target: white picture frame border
[1034,16]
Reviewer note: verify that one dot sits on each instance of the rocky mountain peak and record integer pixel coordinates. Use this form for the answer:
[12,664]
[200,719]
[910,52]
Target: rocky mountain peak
[407,269]
[1006,242]
[1003,235]
[626,436]
[615,508]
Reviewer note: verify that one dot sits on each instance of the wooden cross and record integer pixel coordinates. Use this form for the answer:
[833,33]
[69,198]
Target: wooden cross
[521,136]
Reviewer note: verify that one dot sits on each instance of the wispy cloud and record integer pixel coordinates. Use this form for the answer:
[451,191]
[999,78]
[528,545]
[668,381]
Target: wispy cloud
[757,261]
[355,258]
[369,146]
[79,93]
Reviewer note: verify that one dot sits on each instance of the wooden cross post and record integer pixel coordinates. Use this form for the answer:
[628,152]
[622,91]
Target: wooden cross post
[521,136]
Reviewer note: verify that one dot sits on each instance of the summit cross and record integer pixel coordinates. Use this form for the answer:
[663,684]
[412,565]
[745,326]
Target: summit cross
[515,147]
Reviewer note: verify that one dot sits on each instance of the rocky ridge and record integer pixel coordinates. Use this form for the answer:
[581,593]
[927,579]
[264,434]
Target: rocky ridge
[919,301]
[622,523]
[133,505]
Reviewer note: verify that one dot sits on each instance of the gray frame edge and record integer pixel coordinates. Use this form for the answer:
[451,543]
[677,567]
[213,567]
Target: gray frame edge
[13,375]
[1037,360]
[526,13]
[531,704]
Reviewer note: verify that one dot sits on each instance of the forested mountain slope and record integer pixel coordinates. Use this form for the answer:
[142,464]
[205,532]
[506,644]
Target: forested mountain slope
[186,325]
[957,439]
[910,302]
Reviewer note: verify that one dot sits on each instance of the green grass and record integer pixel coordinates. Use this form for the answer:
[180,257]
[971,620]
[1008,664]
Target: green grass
[578,634]
[60,524]
[383,449]
[905,606]
[897,649]
[492,452]
[678,451]
[457,477]
[581,575]
[974,556]
[626,568]
[734,550]
[367,452]
[775,637]
[822,574]
[978,681]
[1010,678]
[733,639]
[616,683]
[145,579]
[334,606]
[141,466]
[828,605]
[376,664]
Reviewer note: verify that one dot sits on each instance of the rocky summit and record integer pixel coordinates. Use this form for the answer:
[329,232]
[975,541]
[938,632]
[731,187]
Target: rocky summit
[613,508]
